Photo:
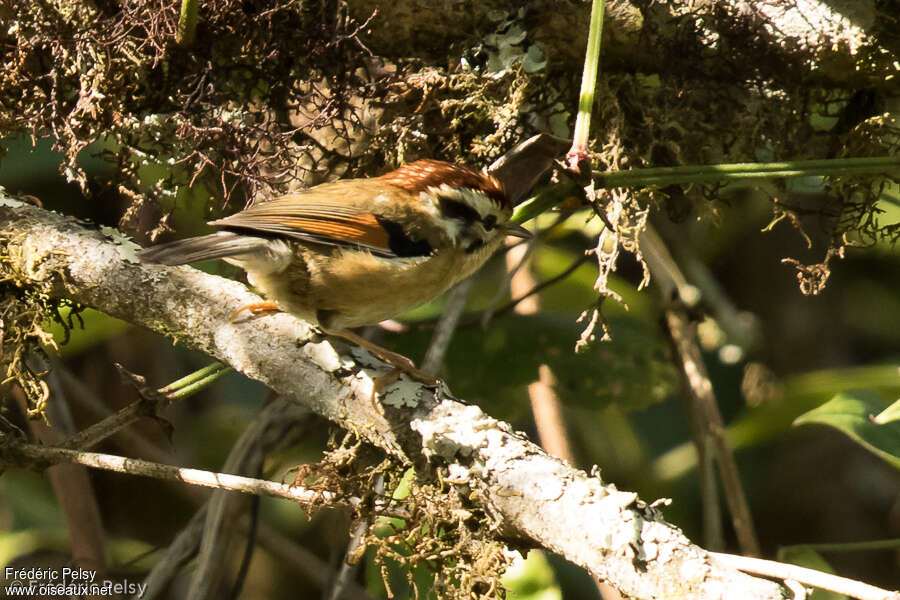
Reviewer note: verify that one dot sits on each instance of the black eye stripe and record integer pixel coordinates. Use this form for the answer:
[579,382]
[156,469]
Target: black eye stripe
[400,243]
[454,209]
[490,222]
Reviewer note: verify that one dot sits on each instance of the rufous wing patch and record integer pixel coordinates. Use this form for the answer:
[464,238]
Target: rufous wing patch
[361,229]
[314,224]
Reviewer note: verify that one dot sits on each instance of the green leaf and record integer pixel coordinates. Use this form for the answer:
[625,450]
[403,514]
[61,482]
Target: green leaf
[798,393]
[890,414]
[532,579]
[493,367]
[98,328]
[851,412]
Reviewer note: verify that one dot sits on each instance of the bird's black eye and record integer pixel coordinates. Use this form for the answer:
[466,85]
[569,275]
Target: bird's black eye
[490,222]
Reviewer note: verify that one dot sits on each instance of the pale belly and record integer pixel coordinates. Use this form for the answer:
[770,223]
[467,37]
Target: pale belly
[350,288]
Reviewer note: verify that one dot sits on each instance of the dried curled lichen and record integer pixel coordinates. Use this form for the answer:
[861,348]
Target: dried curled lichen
[113,79]
[441,530]
[450,538]
[25,311]
[21,335]
[303,99]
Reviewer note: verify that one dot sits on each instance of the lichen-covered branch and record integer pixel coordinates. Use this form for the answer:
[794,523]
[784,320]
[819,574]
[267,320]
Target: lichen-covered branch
[529,495]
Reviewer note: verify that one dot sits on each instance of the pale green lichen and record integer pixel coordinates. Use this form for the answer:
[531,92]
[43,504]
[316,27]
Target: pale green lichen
[509,44]
[403,393]
[125,245]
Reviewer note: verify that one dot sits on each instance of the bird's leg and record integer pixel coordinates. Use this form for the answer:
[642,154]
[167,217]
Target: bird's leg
[400,363]
[255,308]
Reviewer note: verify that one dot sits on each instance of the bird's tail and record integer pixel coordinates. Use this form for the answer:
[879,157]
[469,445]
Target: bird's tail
[221,244]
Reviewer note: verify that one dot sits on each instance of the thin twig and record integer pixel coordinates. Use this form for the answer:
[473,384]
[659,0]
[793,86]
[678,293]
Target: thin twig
[684,339]
[304,561]
[132,441]
[687,174]
[670,280]
[522,284]
[14,453]
[246,456]
[20,454]
[355,549]
[548,415]
[545,405]
[512,246]
[150,403]
[71,485]
[713,534]
[252,514]
[196,381]
[443,333]
[818,579]
[179,551]
[521,249]
[588,86]
[539,287]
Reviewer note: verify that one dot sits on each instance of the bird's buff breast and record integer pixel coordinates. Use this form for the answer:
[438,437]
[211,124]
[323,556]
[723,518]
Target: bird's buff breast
[360,289]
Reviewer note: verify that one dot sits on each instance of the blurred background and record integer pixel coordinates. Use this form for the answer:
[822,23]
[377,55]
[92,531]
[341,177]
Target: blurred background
[623,401]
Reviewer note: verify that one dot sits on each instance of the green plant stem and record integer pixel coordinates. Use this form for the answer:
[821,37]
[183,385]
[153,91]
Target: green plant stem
[662,176]
[889,544]
[545,200]
[187,23]
[177,390]
[737,171]
[588,79]
[194,382]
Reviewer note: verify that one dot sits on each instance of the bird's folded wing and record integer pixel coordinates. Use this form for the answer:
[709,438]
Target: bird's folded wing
[322,223]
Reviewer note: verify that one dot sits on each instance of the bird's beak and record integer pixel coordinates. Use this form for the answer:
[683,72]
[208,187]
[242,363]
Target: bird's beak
[516,230]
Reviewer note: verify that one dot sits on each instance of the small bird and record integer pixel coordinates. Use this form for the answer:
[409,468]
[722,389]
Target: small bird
[359,251]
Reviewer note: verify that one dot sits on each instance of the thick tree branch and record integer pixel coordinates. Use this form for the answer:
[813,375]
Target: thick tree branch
[532,496]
